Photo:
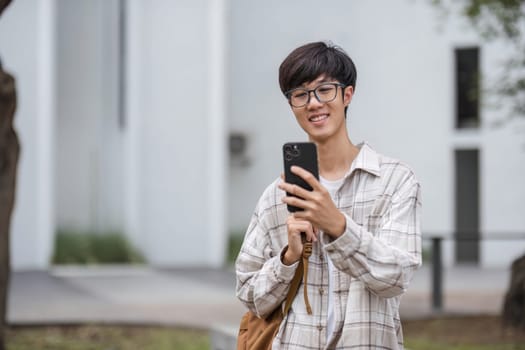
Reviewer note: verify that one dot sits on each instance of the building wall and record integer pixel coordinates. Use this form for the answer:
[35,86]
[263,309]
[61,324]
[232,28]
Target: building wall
[26,50]
[173,149]
[161,176]
[89,137]
[261,35]
[148,175]
[395,104]
[404,106]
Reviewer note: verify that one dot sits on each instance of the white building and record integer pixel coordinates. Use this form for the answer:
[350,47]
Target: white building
[125,108]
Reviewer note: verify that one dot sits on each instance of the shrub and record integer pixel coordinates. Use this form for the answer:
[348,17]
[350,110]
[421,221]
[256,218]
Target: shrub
[89,248]
[234,246]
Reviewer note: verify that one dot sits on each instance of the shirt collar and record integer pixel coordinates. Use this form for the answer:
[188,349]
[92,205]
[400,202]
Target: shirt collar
[367,159]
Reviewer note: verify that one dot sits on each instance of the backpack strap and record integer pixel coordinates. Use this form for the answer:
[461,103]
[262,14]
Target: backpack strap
[307,251]
[301,273]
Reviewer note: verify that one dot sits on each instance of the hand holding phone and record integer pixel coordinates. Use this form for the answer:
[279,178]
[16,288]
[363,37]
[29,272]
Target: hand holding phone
[304,155]
[323,213]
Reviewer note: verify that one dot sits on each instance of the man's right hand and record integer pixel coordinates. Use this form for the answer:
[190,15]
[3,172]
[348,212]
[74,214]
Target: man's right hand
[295,244]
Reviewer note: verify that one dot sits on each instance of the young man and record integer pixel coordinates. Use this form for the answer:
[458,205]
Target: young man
[362,218]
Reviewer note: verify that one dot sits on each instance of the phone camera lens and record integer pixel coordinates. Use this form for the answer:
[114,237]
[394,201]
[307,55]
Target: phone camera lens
[291,151]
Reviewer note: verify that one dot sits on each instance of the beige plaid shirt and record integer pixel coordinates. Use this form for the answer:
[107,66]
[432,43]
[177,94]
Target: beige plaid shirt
[375,259]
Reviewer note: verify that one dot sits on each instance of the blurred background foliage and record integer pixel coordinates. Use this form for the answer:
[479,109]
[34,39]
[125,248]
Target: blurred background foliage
[73,247]
[498,21]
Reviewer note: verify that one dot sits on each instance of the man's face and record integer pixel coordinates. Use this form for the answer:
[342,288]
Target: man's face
[322,120]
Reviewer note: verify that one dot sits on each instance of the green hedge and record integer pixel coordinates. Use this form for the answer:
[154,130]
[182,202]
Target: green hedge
[72,247]
[90,248]
[234,246]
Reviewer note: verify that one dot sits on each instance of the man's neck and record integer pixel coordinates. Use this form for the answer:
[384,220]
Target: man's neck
[335,157]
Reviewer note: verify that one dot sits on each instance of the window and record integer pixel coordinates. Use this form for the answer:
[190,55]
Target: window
[467,87]
[467,206]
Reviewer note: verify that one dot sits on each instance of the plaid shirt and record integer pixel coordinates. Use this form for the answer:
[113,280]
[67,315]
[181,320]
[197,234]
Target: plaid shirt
[375,259]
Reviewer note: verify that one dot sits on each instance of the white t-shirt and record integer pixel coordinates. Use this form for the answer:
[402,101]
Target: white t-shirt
[332,187]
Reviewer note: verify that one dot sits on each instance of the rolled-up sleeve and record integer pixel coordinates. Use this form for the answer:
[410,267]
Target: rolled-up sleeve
[262,279]
[386,259]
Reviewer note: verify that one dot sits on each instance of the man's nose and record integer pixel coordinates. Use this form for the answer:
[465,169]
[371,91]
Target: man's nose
[312,100]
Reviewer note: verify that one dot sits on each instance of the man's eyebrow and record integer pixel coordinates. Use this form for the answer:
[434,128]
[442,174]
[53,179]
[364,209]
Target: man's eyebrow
[320,81]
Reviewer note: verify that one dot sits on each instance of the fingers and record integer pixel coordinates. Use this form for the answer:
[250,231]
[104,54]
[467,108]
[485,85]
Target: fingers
[295,190]
[296,227]
[297,202]
[298,190]
[306,176]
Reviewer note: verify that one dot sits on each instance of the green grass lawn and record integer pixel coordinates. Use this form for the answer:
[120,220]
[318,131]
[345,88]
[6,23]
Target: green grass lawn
[454,333]
[429,344]
[106,338]
[480,332]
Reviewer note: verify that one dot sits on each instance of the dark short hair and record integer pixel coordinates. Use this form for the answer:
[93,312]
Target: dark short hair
[306,63]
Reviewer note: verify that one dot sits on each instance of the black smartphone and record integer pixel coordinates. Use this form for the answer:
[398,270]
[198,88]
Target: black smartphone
[303,154]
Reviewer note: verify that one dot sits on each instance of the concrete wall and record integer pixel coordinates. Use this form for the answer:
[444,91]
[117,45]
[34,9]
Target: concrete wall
[403,66]
[403,106]
[176,139]
[198,69]
[153,175]
[26,49]
[262,34]
[89,138]
[159,176]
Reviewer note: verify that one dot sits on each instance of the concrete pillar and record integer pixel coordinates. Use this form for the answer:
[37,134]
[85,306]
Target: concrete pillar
[27,39]
[217,131]
[45,121]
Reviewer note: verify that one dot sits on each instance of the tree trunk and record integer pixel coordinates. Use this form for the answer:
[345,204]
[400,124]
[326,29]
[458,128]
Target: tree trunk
[9,150]
[3,5]
[514,306]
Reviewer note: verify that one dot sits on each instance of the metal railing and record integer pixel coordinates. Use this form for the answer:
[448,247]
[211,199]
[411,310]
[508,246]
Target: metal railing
[437,257]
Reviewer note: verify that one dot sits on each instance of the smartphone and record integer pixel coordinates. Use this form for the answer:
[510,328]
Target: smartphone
[303,154]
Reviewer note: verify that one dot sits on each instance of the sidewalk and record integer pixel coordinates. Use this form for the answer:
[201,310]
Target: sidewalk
[202,298]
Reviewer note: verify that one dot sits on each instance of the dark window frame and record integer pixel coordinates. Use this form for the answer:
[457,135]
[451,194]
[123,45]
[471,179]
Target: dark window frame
[467,87]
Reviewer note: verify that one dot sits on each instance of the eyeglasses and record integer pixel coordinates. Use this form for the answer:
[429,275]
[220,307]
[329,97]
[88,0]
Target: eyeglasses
[300,97]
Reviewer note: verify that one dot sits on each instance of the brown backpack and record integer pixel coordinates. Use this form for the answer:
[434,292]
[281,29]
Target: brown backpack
[258,333]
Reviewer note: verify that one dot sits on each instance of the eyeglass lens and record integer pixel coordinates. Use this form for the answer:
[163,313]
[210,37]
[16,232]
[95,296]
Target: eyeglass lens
[324,93]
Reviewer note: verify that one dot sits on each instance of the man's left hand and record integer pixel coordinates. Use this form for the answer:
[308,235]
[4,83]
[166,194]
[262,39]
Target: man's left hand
[317,205]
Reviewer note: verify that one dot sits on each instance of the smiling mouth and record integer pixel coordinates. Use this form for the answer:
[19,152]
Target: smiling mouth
[318,118]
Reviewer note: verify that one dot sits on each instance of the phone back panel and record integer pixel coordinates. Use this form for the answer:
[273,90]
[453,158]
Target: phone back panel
[304,155]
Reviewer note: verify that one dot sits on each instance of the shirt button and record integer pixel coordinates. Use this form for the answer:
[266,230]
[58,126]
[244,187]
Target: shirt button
[320,328]
[321,257]
[321,291]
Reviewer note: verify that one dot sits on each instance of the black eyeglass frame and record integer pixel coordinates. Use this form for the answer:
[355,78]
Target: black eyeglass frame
[288,93]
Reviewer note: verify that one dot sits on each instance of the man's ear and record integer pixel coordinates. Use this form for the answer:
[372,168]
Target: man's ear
[347,95]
